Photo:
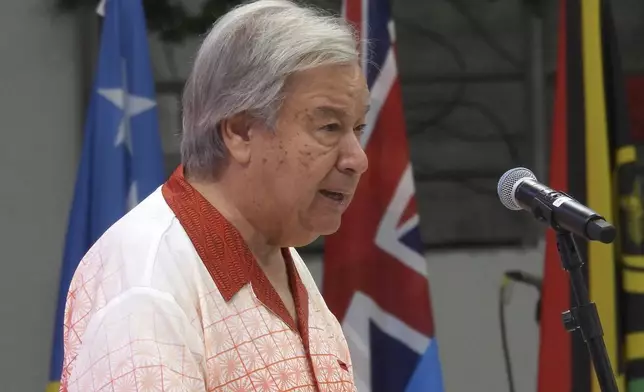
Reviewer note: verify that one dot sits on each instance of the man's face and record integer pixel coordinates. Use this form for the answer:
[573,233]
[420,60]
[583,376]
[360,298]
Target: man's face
[310,166]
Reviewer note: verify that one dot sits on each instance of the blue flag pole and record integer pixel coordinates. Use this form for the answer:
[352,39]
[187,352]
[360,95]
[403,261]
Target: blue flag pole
[122,159]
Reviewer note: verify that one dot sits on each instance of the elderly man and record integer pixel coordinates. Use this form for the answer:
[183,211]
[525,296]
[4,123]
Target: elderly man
[199,288]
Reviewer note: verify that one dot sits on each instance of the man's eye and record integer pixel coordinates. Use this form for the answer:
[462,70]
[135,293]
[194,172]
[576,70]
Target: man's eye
[331,127]
[360,129]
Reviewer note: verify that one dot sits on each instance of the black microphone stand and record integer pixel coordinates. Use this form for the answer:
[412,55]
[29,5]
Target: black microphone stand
[583,315]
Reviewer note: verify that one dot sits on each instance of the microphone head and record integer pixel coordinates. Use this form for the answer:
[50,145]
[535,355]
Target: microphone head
[508,183]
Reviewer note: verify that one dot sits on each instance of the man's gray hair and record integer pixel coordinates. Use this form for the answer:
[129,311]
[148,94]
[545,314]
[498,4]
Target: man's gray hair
[243,64]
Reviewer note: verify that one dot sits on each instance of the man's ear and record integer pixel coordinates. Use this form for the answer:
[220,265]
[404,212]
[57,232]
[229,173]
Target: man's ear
[235,133]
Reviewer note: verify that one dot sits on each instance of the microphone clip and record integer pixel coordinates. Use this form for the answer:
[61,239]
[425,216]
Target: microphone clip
[543,213]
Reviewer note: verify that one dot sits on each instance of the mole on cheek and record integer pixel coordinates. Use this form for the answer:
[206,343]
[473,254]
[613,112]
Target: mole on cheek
[283,155]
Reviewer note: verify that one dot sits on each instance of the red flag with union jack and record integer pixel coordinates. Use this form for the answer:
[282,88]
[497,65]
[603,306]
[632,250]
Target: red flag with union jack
[375,275]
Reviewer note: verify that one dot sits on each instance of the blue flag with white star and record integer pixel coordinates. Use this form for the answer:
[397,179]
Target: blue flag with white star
[122,159]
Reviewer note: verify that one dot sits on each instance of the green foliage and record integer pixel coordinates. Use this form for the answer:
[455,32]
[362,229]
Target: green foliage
[170,19]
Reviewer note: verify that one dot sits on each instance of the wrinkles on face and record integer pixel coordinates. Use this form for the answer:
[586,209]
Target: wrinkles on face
[305,156]
[311,150]
[323,109]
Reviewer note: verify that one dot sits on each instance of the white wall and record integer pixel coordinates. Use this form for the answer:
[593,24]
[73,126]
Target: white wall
[465,292]
[40,109]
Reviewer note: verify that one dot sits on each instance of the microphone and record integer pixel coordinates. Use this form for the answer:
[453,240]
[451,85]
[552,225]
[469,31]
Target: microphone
[524,277]
[518,189]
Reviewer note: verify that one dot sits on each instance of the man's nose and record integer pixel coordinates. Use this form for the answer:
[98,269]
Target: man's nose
[353,158]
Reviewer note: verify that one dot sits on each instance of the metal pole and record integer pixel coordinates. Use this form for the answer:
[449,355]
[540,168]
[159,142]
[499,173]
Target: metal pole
[88,29]
[537,85]
[535,78]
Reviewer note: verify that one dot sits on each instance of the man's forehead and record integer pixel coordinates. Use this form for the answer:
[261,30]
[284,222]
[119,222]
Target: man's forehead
[335,81]
[339,110]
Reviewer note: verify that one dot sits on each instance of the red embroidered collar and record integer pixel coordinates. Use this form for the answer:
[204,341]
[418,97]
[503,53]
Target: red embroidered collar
[227,257]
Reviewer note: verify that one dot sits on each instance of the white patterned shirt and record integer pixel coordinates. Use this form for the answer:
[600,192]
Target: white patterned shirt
[171,299]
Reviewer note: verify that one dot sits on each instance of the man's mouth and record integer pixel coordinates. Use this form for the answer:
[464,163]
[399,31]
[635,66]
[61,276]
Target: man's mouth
[335,196]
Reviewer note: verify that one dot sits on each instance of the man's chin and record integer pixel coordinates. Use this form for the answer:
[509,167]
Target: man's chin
[321,228]
[305,241]
[329,229]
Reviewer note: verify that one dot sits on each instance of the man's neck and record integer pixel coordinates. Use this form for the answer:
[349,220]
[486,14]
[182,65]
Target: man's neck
[265,253]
